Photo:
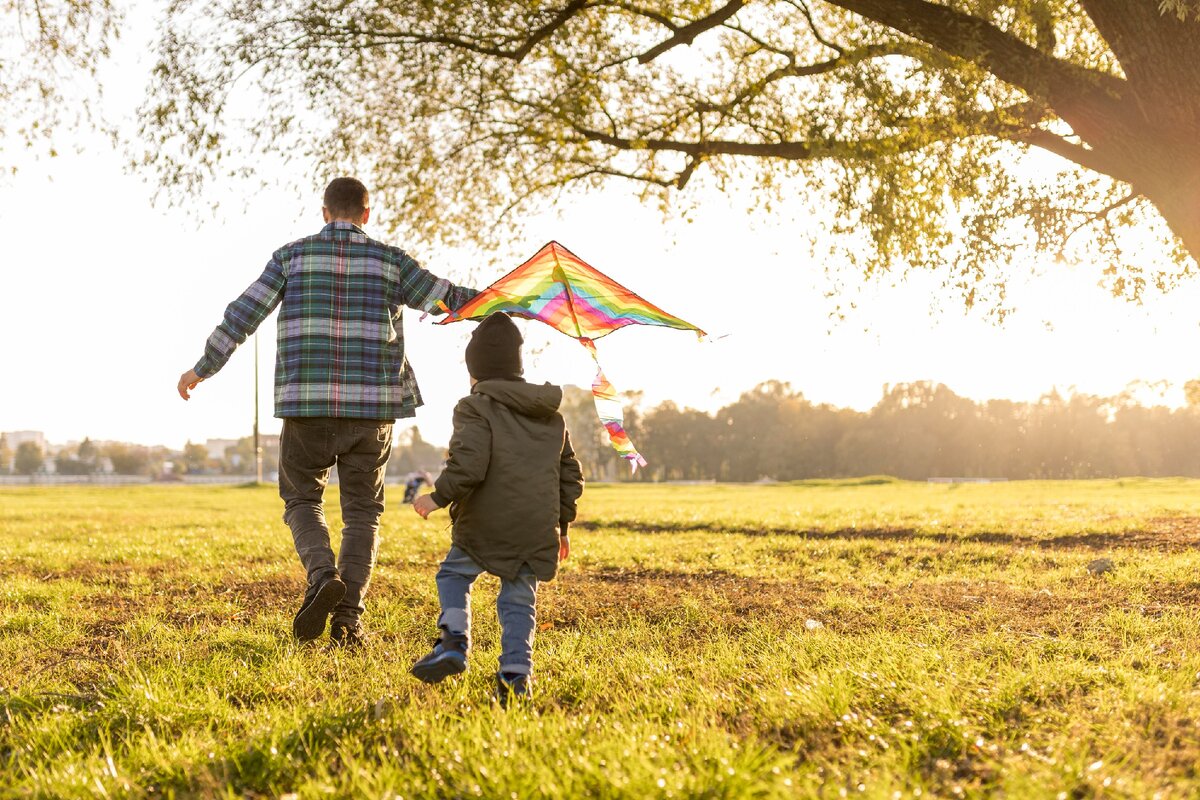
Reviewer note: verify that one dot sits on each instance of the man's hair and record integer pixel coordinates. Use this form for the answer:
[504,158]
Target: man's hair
[346,197]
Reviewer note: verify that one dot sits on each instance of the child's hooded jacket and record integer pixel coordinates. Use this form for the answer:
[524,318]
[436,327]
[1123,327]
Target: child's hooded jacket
[512,479]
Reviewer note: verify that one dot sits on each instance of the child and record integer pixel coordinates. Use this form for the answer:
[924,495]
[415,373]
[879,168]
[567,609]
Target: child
[511,482]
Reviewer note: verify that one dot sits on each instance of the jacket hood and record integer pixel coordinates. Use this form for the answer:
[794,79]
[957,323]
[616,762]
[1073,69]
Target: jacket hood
[528,399]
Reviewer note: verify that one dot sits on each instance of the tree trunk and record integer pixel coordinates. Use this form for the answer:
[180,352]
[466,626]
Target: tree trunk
[1151,133]
[1179,205]
[1142,128]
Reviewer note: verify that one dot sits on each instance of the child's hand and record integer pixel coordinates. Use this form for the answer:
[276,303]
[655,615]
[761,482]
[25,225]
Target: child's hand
[424,505]
[564,548]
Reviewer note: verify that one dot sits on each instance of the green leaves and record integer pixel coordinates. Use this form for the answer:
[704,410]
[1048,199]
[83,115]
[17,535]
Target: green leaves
[49,44]
[910,131]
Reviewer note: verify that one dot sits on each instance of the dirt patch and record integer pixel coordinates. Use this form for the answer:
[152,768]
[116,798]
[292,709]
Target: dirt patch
[180,604]
[609,593]
[96,573]
[1169,534]
[685,602]
[1183,528]
[727,599]
[275,590]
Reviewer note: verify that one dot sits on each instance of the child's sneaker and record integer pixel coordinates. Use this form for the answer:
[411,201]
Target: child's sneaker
[448,657]
[511,687]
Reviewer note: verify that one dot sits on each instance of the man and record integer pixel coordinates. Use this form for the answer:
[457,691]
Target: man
[341,381]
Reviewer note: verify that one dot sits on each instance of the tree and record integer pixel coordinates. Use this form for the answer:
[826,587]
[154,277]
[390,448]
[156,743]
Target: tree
[922,430]
[590,440]
[29,458]
[681,444]
[239,459]
[128,459]
[195,457]
[88,452]
[6,455]
[82,462]
[909,119]
[48,44]
[65,463]
[1191,391]
[412,453]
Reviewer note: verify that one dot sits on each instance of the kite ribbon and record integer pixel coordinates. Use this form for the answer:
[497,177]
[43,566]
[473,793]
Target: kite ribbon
[439,306]
[608,407]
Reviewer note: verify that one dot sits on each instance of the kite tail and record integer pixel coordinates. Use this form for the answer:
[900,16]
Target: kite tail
[440,306]
[608,407]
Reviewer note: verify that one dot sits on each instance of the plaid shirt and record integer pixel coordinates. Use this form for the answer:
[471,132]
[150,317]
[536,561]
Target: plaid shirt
[341,342]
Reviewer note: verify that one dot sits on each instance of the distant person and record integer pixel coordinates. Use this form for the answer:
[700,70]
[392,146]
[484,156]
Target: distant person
[342,378]
[414,484]
[512,482]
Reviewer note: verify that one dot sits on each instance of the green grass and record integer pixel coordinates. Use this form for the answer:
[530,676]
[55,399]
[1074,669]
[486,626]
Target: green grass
[865,638]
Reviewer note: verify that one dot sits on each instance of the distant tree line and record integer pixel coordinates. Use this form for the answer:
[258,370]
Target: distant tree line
[236,459]
[917,431]
[119,458]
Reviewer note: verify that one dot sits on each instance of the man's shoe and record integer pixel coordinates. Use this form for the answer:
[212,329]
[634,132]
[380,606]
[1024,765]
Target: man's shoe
[319,602]
[448,657]
[511,688]
[347,634]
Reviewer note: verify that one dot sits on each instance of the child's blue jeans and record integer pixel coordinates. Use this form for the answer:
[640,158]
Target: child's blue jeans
[515,607]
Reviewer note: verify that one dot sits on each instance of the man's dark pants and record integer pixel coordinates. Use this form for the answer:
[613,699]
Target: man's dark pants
[309,447]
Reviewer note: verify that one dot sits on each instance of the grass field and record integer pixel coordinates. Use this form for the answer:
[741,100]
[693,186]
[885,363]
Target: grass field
[860,638]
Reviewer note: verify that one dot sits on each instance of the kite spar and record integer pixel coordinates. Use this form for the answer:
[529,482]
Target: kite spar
[560,289]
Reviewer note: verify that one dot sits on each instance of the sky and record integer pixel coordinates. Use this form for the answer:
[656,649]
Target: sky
[107,297]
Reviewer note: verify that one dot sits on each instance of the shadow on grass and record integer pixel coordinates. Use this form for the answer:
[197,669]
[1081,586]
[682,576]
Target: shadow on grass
[1178,537]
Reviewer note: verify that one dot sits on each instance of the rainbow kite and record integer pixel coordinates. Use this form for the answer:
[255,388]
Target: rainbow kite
[560,289]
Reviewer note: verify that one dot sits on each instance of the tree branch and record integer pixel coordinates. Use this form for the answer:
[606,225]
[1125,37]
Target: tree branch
[566,180]
[639,11]
[1083,156]
[1010,123]
[812,26]
[318,29]
[686,173]
[688,33]
[847,58]
[1038,73]
[1093,217]
[547,30]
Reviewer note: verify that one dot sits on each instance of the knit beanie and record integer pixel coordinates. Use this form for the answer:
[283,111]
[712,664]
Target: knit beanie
[495,350]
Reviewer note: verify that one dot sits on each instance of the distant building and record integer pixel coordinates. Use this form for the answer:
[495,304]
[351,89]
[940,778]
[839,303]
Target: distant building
[269,442]
[17,438]
[217,447]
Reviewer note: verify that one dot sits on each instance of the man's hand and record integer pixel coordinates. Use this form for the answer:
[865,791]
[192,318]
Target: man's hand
[564,548]
[187,382]
[424,505]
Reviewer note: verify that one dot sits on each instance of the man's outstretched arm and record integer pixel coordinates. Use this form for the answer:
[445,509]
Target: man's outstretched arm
[242,318]
[420,289]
